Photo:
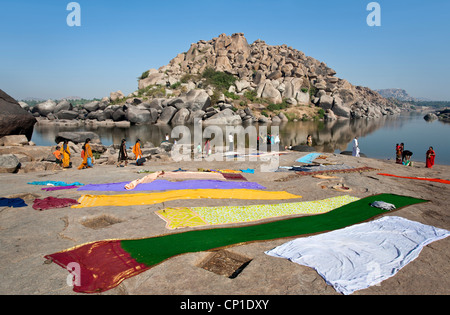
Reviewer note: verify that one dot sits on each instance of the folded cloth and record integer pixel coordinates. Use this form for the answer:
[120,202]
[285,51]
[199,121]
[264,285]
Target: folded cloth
[233,176]
[53,188]
[161,185]
[359,256]
[52,203]
[158,197]
[55,183]
[383,205]
[12,202]
[248,170]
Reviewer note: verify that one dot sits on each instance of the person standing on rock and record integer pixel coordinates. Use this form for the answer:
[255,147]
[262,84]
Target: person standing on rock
[66,155]
[123,156]
[431,155]
[87,156]
[138,153]
[356,150]
[231,141]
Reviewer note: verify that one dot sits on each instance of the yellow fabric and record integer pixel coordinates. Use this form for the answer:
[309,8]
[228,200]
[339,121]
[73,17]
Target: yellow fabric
[158,197]
[65,156]
[200,216]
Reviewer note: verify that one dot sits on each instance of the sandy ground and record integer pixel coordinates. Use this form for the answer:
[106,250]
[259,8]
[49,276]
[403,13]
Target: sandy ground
[26,235]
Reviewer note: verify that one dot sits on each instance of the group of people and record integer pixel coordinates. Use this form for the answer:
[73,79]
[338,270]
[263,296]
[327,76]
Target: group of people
[403,156]
[63,155]
[123,154]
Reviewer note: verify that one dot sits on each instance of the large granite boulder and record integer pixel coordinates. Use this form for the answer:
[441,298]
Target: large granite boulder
[14,120]
[77,137]
[9,163]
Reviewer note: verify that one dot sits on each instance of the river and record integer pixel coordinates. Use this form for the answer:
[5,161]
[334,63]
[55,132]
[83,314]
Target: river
[377,137]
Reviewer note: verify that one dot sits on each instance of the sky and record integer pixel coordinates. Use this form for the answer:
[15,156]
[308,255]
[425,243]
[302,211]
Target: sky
[41,56]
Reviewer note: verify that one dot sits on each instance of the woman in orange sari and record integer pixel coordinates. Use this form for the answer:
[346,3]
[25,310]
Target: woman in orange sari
[138,153]
[87,156]
[431,155]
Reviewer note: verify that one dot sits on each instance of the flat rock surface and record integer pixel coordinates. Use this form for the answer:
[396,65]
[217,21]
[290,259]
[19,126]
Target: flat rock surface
[26,235]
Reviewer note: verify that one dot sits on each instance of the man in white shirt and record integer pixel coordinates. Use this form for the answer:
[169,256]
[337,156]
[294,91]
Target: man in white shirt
[231,141]
[355,147]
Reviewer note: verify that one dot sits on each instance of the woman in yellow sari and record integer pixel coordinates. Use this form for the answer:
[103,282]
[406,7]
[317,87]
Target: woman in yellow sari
[66,155]
[86,155]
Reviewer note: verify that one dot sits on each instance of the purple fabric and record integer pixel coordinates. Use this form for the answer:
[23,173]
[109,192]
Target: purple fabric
[58,188]
[167,185]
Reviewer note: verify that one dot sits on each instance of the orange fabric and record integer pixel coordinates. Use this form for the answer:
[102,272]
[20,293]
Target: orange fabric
[87,154]
[137,150]
[437,180]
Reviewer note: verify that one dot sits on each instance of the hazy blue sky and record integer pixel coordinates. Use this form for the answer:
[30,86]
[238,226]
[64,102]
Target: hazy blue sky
[41,56]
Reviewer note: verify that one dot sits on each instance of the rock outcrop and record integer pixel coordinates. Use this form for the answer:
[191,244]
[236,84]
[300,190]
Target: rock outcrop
[178,92]
[14,119]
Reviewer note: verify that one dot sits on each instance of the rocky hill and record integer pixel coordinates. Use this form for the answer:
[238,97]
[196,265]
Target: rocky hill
[398,94]
[226,80]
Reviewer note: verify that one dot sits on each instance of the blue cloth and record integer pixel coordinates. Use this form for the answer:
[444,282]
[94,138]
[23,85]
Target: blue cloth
[307,159]
[248,170]
[12,202]
[55,183]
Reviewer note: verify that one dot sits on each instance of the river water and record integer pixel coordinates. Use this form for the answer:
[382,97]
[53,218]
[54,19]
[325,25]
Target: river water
[377,137]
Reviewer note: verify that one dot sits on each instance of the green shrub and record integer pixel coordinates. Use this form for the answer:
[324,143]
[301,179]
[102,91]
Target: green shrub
[231,95]
[144,75]
[219,80]
[251,95]
[175,85]
[321,113]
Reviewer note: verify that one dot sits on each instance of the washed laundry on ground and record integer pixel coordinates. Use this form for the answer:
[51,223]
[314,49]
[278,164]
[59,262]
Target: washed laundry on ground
[437,180]
[54,188]
[158,197]
[52,203]
[12,202]
[55,183]
[199,216]
[161,185]
[105,264]
[309,158]
[362,255]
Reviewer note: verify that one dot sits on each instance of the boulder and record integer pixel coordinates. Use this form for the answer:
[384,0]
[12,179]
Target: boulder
[339,109]
[46,107]
[9,163]
[267,90]
[430,117]
[302,98]
[77,137]
[14,140]
[181,117]
[91,106]
[14,120]
[225,117]
[166,115]
[119,115]
[137,115]
[63,105]
[114,96]
[326,101]
[197,100]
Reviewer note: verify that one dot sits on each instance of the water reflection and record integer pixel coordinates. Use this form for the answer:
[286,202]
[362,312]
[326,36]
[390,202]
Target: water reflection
[378,136]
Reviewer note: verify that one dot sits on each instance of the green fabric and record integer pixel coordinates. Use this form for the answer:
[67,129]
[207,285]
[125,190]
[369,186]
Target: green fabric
[152,251]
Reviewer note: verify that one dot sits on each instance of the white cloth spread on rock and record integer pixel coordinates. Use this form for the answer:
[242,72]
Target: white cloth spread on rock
[362,255]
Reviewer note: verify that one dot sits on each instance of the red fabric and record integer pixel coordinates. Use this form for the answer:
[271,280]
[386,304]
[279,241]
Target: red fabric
[430,158]
[99,266]
[437,180]
[52,202]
